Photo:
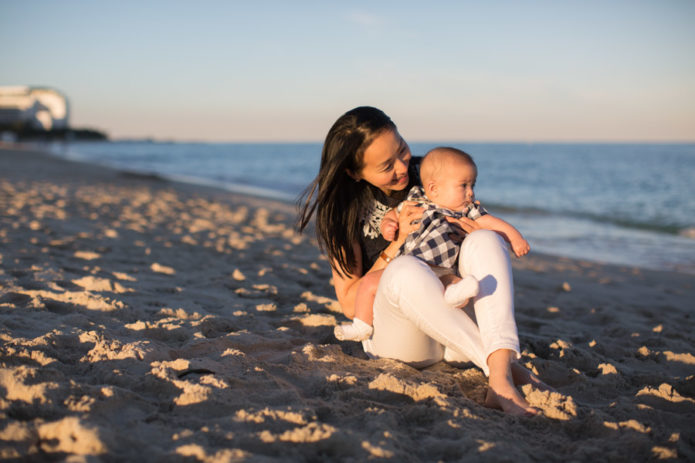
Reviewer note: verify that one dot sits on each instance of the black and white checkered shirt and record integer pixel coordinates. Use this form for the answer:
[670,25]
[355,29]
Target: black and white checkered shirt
[431,242]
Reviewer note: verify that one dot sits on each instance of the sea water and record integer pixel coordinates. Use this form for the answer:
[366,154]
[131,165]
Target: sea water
[631,204]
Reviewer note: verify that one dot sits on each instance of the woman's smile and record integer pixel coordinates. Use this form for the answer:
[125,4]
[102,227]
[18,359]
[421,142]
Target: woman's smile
[402,181]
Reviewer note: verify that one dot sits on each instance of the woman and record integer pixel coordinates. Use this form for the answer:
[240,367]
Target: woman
[365,171]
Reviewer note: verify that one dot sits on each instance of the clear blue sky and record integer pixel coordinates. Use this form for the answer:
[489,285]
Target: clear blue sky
[285,70]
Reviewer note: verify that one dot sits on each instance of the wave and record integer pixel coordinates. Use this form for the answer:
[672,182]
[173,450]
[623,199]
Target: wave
[248,172]
[651,226]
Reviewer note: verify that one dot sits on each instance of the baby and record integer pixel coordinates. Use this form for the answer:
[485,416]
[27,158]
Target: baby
[448,177]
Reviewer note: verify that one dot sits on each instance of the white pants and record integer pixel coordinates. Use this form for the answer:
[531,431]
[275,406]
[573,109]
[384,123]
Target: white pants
[414,324]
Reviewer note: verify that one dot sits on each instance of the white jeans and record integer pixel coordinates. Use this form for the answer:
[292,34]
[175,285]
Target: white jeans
[414,324]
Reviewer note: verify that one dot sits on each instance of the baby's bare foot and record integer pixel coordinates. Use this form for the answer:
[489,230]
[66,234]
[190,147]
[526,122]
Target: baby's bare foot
[457,294]
[355,331]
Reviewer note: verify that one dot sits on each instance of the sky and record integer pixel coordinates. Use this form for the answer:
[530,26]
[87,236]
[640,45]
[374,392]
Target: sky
[286,70]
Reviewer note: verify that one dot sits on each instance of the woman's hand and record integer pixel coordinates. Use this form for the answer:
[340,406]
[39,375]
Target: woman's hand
[461,227]
[408,220]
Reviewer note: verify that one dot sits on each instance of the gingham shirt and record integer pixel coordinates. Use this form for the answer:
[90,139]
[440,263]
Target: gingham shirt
[431,242]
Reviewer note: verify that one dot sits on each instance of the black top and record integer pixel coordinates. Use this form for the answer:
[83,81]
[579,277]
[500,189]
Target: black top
[372,243]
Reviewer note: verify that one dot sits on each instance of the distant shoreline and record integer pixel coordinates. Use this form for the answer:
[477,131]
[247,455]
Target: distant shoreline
[27,135]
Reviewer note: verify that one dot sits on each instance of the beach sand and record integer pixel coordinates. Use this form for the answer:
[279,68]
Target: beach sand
[147,320]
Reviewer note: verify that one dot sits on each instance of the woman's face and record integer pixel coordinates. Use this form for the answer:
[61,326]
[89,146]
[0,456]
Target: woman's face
[385,163]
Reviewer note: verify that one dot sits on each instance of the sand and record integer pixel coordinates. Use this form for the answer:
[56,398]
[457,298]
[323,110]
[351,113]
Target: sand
[147,320]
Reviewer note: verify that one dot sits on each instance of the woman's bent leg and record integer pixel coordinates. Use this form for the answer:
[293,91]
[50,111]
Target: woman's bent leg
[412,321]
[484,255]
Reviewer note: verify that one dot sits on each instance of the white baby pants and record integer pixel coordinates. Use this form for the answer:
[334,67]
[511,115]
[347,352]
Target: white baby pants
[414,324]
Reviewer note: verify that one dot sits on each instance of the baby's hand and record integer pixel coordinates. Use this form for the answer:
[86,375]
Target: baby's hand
[389,228]
[520,247]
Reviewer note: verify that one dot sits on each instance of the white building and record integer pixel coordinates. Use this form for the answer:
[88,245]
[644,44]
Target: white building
[33,107]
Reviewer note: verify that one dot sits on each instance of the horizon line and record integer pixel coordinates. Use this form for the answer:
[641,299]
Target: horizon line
[419,140]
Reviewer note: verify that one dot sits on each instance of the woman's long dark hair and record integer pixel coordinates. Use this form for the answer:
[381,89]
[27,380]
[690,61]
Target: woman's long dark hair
[337,199]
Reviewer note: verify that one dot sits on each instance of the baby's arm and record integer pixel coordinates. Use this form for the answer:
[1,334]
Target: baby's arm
[519,245]
[389,225]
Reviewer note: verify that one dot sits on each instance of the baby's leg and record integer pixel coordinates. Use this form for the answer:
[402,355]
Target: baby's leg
[457,294]
[364,300]
[361,326]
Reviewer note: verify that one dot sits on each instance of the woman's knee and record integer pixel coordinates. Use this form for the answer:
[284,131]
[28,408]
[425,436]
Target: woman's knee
[483,241]
[403,272]
[484,237]
[404,264]
[484,252]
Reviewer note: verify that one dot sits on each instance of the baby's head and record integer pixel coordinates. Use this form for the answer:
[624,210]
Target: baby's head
[448,176]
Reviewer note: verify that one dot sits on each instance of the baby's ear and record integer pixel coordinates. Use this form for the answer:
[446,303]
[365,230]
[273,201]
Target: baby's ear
[431,188]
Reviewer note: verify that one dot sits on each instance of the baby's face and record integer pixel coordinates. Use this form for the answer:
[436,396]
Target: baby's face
[455,186]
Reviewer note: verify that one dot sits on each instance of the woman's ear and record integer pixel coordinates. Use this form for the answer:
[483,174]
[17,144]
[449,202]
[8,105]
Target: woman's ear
[352,175]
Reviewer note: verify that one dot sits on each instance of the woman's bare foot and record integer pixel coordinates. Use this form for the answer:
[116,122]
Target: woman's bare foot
[507,398]
[522,376]
[502,392]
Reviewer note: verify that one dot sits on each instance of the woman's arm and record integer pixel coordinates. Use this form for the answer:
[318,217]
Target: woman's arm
[346,285]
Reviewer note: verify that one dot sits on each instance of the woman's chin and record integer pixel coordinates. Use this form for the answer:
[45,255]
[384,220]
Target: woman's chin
[401,184]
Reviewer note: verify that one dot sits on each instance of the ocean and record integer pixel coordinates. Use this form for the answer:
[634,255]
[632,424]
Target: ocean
[627,204]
